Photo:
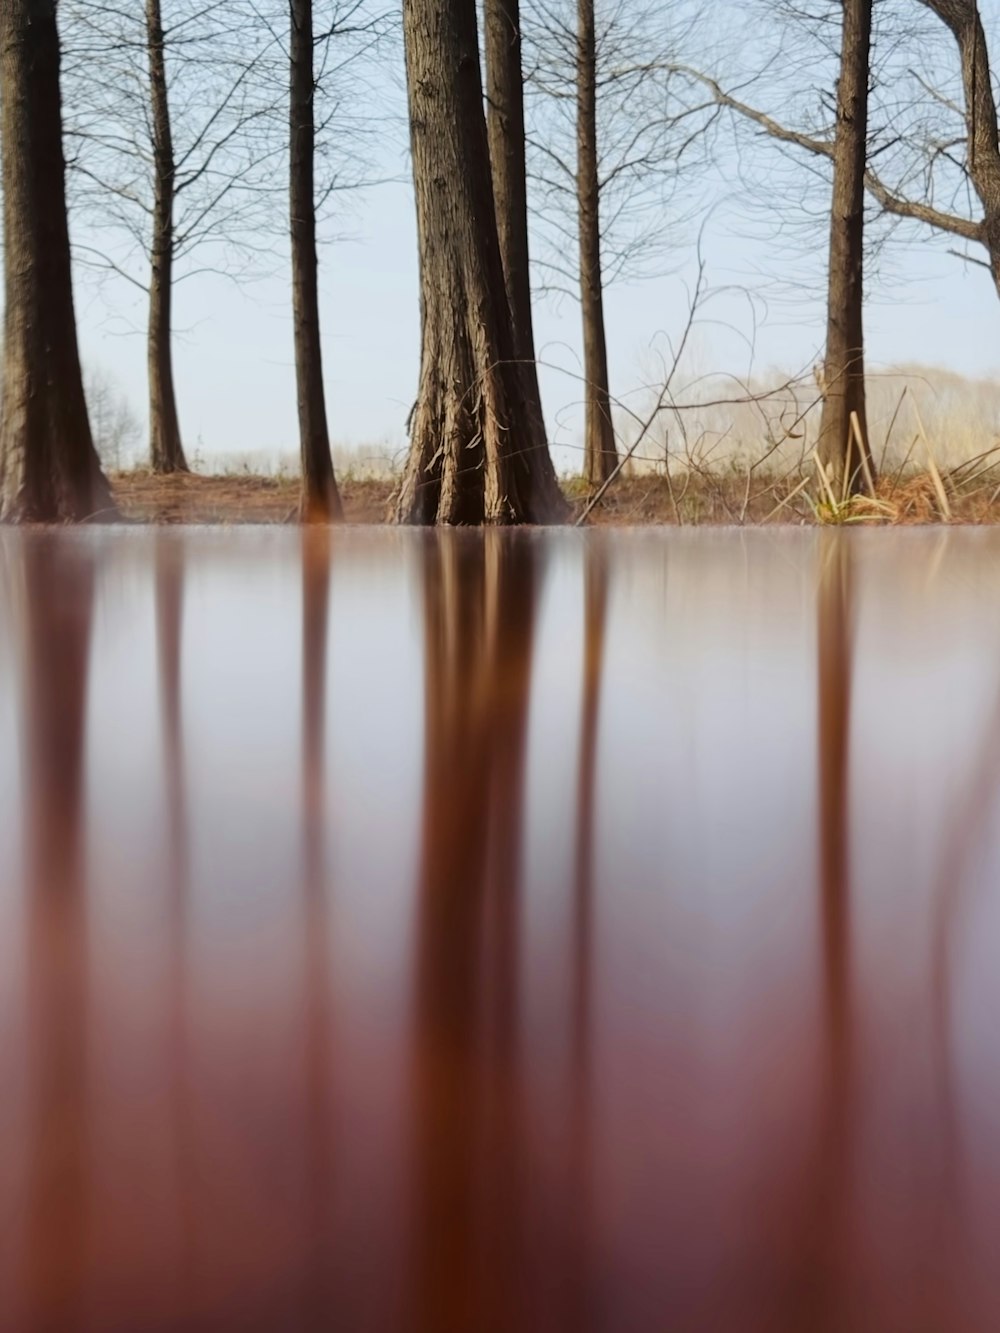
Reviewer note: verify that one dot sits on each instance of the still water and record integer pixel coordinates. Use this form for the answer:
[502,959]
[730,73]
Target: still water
[404,931]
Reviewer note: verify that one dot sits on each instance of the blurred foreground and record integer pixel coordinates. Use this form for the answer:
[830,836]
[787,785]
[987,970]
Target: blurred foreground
[461,931]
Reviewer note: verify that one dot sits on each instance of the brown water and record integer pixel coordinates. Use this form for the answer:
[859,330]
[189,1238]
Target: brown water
[520,932]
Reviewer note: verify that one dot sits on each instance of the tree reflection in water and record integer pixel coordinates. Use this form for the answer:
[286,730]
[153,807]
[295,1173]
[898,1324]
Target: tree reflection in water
[505,1072]
[481,595]
[58,612]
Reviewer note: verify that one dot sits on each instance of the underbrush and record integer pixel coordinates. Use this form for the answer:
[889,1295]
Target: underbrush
[731,494]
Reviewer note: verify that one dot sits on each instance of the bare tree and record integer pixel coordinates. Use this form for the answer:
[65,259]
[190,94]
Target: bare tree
[318,55]
[933,157]
[599,453]
[49,469]
[168,157]
[320,499]
[843,437]
[962,19]
[606,138]
[477,453]
[165,447]
[505,131]
[115,427]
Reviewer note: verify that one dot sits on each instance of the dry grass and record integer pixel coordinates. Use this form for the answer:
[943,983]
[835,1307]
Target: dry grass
[726,496]
[242,498]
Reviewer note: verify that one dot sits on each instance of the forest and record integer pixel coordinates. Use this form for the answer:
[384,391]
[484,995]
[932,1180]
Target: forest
[555,150]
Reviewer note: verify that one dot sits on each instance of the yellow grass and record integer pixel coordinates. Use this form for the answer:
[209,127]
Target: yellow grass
[725,496]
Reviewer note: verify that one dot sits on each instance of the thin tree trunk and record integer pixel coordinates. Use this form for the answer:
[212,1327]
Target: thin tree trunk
[505,132]
[477,450]
[962,18]
[320,499]
[49,470]
[600,457]
[844,365]
[165,447]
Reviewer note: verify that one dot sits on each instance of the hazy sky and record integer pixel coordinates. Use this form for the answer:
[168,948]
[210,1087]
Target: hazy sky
[234,364]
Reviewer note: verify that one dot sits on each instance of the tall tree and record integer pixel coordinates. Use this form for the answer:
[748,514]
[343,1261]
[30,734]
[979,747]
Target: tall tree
[963,20]
[477,450]
[49,470]
[165,448]
[505,131]
[170,158]
[604,155]
[600,457]
[933,156]
[843,431]
[320,499]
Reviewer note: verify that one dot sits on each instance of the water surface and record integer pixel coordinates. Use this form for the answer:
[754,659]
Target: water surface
[557,931]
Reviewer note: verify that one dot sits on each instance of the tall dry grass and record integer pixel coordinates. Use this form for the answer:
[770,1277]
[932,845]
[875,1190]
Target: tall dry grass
[717,422]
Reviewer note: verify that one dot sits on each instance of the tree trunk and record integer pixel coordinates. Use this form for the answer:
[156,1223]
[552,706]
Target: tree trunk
[477,450]
[844,365]
[165,448]
[505,132]
[962,18]
[320,499]
[600,457]
[49,470]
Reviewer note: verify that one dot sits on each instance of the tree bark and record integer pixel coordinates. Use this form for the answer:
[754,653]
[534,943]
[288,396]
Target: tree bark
[49,470]
[844,365]
[600,456]
[963,20]
[320,499]
[165,447]
[505,132]
[477,449]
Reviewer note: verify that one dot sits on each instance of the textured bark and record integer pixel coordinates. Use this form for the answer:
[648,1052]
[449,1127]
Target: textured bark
[477,449]
[600,457]
[320,499]
[844,365]
[49,470]
[962,18]
[505,132]
[165,447]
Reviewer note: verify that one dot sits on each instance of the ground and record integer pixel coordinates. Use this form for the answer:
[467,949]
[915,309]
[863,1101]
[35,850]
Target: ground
[690,498]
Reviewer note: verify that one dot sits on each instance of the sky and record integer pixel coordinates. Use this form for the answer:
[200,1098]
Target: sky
[233,346]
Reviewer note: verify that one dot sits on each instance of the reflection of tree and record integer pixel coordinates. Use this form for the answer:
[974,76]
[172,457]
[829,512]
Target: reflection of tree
[480,597]
[952,888]
[595,594]
[168,555]
[835,635]
[319,1299]
[59,588]
[819,1243]
[169,592]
